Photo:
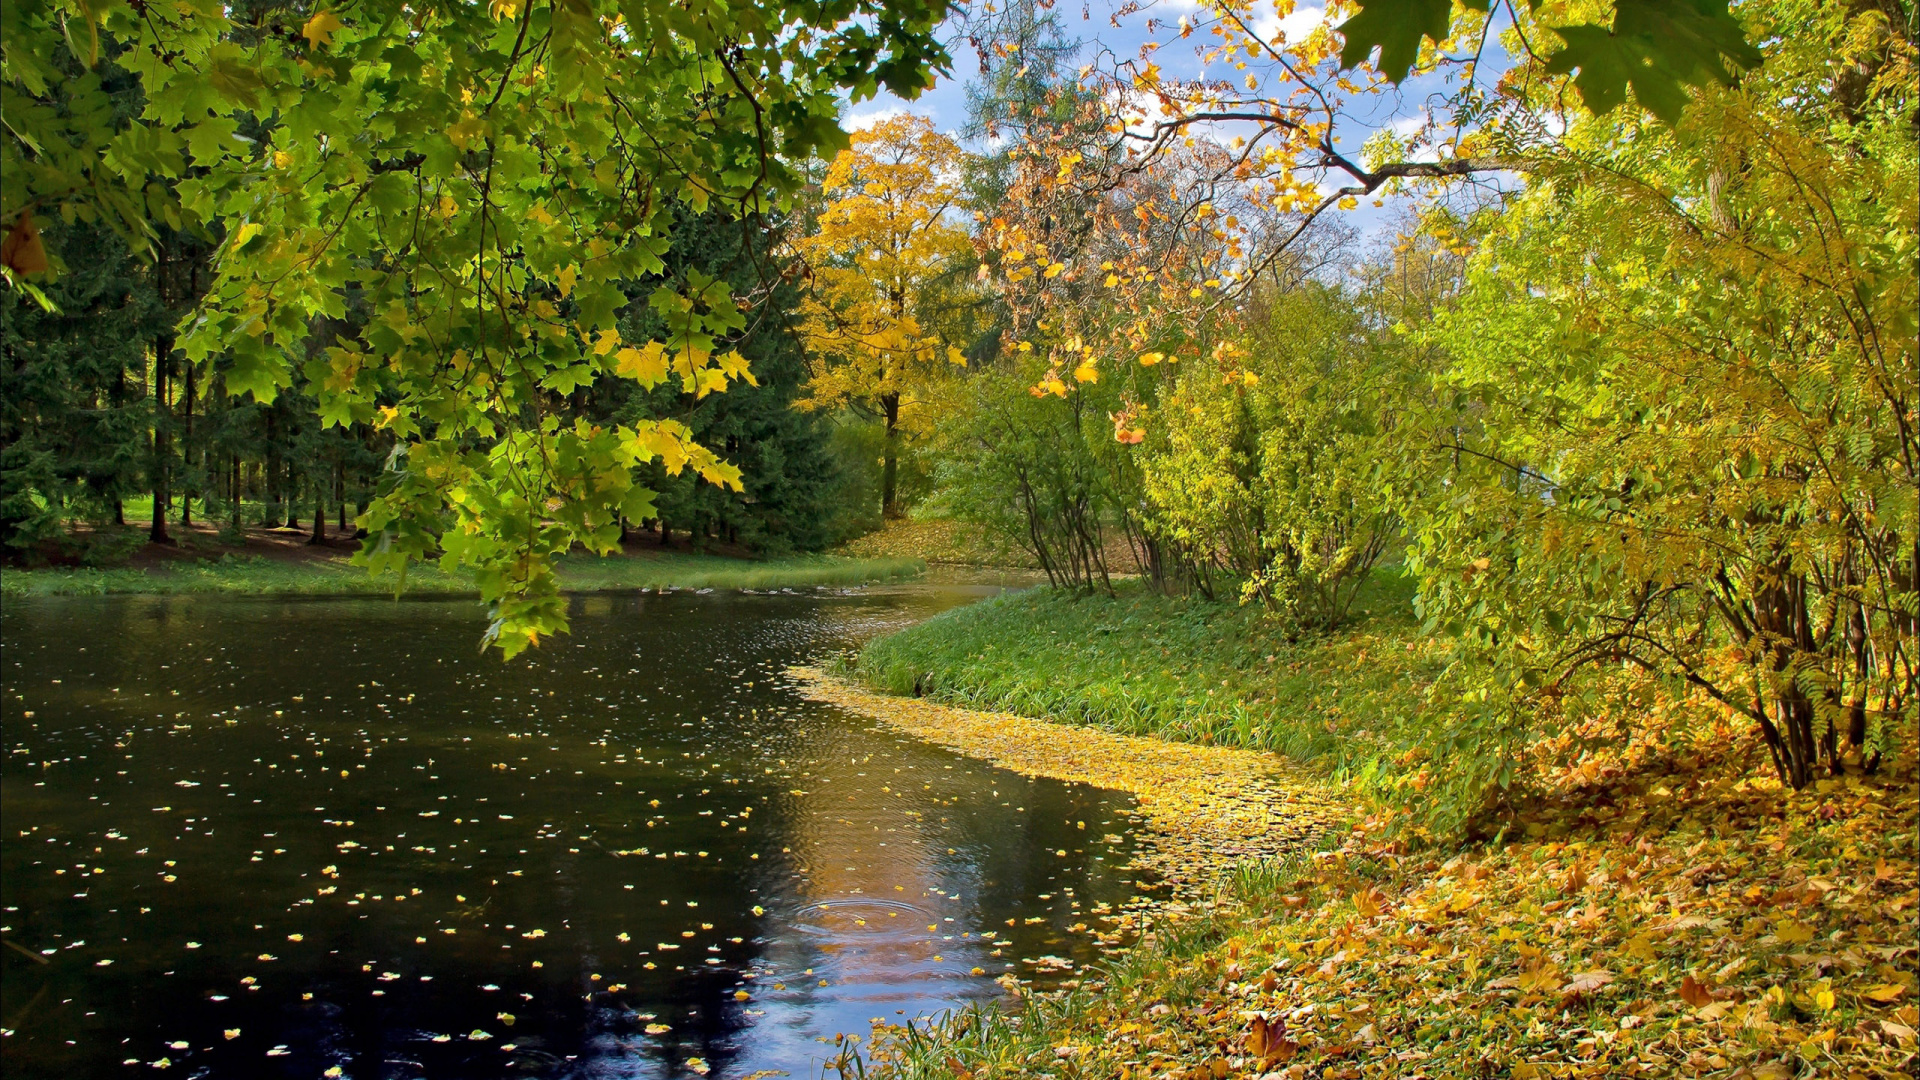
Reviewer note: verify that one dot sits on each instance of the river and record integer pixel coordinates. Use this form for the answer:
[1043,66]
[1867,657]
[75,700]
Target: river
[253,837]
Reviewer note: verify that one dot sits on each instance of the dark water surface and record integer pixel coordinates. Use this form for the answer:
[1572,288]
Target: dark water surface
[328,837]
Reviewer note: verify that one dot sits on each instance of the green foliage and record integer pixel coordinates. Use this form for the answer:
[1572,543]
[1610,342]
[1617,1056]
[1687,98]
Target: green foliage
[73,421]
[1687,360]
[1656,47]
[1041,473]
[1280,462]
[481,181]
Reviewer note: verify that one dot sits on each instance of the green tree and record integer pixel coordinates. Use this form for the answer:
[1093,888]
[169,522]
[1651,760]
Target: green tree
[484,179]
[1690,360]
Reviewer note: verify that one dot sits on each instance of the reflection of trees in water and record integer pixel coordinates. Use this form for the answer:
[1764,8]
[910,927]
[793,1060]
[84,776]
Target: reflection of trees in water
[952,829]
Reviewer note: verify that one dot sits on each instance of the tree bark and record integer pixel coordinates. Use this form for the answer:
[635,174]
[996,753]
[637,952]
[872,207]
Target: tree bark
[271,517]
[890,460]
[162,440]
[319,514]
[186,449]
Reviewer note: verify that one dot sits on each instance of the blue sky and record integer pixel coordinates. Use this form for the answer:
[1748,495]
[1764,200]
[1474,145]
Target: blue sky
[1403,109]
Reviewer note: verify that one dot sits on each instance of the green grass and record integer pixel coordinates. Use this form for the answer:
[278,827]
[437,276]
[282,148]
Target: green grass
[1187,669]
[263,576]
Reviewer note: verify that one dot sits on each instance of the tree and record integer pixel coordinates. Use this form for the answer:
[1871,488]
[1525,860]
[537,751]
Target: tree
[787,475]
[1281,458]
[73,420]
[885,235]
[483,178]
[1690,358]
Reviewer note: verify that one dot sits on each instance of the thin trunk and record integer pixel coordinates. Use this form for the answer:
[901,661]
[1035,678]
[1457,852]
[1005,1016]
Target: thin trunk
[186,450]
[162,440]
[890,468]
[234,495]
[319,514]
[340,493]
[271,517]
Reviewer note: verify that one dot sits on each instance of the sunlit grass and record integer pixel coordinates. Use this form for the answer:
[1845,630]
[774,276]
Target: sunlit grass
[326,577]
[1188,669]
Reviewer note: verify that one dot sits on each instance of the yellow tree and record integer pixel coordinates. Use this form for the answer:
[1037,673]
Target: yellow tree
[886,236]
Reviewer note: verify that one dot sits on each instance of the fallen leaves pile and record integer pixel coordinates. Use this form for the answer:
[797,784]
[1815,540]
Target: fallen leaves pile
[1688,921]
[1204,809]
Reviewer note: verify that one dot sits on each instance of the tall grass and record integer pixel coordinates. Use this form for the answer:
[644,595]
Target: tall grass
[1186,669]
[325,577]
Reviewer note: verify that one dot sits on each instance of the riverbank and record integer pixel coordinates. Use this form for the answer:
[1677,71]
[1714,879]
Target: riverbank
[1675,913]
[260,569]
[1216,674]
[1203,809]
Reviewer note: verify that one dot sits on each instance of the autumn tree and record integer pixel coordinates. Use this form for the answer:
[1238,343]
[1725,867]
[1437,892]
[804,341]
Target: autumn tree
[484,179]
[886,235]
[1691,358]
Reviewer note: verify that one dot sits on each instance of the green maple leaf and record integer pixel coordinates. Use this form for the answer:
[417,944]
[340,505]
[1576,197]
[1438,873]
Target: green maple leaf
[1656,47]
[1395,27]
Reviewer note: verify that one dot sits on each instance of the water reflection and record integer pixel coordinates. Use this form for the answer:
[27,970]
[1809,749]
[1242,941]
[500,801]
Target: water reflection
[274,838]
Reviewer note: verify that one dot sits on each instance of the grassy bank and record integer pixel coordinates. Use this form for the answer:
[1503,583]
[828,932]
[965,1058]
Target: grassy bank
[1691,924]
[1669,911]
[327,576]
[1213,673]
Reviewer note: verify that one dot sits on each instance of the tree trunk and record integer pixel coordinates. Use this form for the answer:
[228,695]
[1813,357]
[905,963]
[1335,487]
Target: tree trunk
[162,440]
[890,460]
[186,450]
[319,514]
[340,493]
[271,517]
[236,492]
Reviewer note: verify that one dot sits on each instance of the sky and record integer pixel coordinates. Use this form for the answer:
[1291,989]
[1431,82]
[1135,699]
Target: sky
[1093,24]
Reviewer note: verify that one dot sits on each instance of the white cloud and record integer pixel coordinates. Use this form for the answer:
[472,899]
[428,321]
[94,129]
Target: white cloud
[861,121]
[1299,21]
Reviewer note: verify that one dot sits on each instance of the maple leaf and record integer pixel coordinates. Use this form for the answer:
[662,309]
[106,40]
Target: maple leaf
[1695,992]
[22,251]
[319,29]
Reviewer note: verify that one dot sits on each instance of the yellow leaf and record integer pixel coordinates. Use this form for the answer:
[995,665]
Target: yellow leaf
[1791,932]
[319,29]
[22,252]
[1640,947]
[1054,269]
[1086,372]
[1883,992]
[1150,359]
[646,365]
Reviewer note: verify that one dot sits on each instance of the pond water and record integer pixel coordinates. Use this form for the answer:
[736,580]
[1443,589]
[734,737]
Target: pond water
[266,837]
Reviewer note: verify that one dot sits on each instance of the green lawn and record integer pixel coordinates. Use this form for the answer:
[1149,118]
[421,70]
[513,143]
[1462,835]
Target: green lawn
[259,575]
[1187,669]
